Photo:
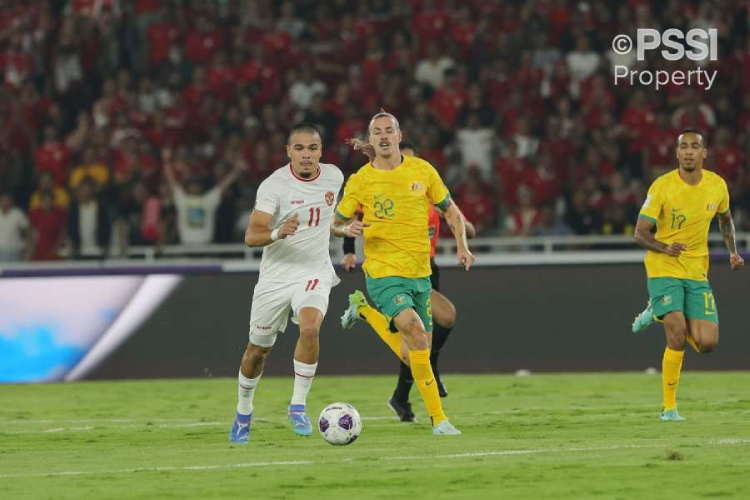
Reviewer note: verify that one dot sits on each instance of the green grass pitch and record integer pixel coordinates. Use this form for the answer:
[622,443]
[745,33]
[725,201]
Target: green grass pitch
[543,436]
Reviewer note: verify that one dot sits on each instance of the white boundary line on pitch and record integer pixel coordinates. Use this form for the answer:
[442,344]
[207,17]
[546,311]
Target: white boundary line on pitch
[716,442]
[139,424]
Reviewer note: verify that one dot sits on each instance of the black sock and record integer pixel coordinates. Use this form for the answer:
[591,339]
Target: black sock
[405,381]
[439,336]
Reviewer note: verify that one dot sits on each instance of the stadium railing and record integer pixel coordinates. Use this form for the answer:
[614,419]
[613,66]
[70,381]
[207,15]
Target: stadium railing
[491,251]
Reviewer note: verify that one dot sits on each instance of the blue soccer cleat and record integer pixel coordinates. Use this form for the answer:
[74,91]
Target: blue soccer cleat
[351,315]
[644,319]
[670,416]
[298,418]
[240,433]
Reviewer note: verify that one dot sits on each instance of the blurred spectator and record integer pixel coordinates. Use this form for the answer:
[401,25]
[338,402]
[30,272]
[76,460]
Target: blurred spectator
[447,100]
[90,167]
[579,217]
[48,228]
[139,218]
[659,155]
[726,156]
[475,200]
[475,104]
[548,224]
[526,217]
[324,119]
[512,172]
[694,114]
[582,62]
[304,88]
[616,220]
[476,144]
[15,237]
[88,223]
[60,198]
[430,71]
[288,22]
[196,210]
[53,156]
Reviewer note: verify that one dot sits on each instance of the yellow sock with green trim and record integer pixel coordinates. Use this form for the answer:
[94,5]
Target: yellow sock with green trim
[670,376]
[379,323]
[425,381]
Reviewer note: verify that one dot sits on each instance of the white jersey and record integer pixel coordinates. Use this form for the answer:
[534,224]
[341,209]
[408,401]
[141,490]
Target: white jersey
[306,253]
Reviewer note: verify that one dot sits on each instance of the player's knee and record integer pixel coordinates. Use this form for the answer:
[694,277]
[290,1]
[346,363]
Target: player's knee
[255,353]
[708,345]
[309,331]
[676,339]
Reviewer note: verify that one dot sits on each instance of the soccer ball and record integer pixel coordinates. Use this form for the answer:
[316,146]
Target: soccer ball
[339,424]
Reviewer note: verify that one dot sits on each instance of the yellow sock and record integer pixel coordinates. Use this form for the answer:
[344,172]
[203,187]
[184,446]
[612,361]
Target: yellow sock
[425,381]
[690,340]
[379,323]
[670,376]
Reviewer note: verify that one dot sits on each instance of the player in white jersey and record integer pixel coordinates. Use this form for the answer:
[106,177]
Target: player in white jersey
[292,220]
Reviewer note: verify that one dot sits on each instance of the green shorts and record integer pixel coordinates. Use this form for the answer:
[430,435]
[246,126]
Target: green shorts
[694,298]
[393,294]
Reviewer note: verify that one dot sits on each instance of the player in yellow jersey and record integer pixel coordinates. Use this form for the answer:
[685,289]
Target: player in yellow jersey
[682,204]
[395,193]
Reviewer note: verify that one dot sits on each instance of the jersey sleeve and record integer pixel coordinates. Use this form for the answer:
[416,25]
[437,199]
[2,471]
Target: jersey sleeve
[267,198]
[437,193]
[724,203]
[652,206]
[351,201]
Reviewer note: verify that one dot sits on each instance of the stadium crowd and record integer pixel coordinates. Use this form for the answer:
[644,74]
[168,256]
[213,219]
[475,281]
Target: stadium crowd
[151,122]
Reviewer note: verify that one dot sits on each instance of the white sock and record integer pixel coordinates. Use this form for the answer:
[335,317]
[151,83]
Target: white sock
[245,391]
[303,378]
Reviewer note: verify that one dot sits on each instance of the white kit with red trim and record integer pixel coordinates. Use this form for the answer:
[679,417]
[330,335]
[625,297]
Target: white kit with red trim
[305,253]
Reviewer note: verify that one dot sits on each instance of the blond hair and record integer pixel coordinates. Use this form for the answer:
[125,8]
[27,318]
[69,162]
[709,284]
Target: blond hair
[383,114]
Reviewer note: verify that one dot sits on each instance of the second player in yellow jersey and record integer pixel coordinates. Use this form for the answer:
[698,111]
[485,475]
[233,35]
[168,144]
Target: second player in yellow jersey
[682,213]
[682,204]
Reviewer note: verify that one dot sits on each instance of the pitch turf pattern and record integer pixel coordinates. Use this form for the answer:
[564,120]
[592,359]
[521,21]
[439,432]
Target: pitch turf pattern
[543,436]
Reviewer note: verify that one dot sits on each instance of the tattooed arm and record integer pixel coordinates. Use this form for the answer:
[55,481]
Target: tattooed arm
[726,226]
[458,228]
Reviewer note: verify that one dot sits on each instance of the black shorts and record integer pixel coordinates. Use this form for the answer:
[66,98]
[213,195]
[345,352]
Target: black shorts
[435,277]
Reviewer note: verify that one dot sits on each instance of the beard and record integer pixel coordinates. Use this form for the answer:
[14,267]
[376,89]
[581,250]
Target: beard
[689,168]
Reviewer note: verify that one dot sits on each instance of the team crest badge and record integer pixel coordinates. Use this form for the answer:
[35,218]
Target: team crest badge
[666,300]
[399,299]
[416,187]
[329,198]
[711,206]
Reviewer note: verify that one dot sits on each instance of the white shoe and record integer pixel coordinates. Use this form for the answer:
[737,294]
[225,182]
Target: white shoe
[445,428]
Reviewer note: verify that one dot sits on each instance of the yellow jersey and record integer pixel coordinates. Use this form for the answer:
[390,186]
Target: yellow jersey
[396,204]
[682,214]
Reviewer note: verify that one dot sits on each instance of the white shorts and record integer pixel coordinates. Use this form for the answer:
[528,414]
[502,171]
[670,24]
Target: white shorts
[272,303]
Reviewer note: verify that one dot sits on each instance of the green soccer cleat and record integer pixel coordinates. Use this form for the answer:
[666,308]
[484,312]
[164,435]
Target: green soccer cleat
[644,319]
[351,315]
[445,428]
[671,416]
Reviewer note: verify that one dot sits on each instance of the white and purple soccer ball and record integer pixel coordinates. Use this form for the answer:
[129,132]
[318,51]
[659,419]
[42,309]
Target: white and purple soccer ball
[339,424]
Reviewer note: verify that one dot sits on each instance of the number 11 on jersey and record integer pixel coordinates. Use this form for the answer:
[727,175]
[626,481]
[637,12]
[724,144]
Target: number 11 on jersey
[314,214]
